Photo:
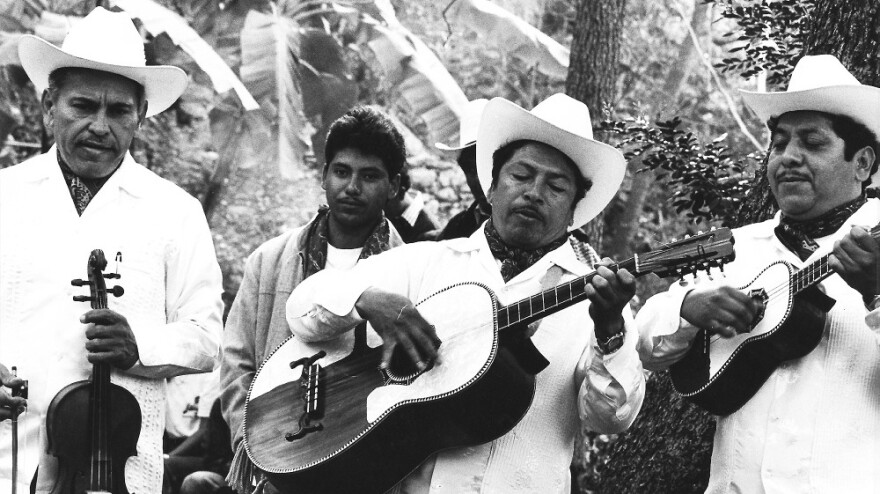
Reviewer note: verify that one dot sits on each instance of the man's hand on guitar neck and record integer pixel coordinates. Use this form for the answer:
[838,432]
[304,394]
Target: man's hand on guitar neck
[856,258]
[609,292]
[721,310]
[398,322]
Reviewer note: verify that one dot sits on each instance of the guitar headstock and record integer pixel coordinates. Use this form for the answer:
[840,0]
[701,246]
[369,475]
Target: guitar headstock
[700,252]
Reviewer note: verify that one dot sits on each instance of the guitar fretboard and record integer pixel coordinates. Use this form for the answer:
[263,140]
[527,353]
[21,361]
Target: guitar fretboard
[552,300]
[818,270]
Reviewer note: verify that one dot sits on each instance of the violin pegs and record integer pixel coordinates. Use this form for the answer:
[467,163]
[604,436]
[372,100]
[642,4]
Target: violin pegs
[112,276]
[82,298]
[117,291]
[78,282]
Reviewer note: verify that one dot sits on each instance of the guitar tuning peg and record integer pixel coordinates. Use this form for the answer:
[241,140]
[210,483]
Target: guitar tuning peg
[687,236]
[713,229]
[699,232]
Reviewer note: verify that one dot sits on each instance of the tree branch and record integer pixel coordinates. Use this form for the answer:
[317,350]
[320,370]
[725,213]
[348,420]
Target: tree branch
[730,103]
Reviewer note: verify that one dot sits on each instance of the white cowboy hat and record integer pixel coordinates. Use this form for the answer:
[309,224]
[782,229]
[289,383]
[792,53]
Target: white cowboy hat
[106,41]
[821,83]
[468,126]
[561,122]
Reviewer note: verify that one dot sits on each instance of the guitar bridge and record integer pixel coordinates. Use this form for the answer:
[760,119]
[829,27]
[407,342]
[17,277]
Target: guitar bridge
[310,381]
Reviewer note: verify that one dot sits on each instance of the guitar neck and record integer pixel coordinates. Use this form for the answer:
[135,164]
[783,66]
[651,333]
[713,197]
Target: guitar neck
[818,270]
[543,304]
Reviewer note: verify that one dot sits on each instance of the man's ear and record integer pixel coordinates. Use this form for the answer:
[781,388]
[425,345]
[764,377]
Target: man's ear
[865,159]
[395,186]
[142,113]
[47,104]
[324,177]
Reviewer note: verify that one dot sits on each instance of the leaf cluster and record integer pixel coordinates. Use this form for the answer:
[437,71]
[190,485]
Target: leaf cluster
[706,182]
[770,36]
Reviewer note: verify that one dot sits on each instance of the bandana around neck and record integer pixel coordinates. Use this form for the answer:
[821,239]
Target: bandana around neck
[319,231]
[515,260]
[798,236]
[82,189]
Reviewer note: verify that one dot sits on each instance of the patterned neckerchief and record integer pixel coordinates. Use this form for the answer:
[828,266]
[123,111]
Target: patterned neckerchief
[316,242]
[798,236]
[82,190]
[515,260]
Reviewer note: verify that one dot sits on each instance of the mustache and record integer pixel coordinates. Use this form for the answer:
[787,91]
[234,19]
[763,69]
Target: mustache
[529,210]
[791,176]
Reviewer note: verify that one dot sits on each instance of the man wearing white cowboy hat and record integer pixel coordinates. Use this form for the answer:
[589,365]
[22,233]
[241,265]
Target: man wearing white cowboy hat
[814,425]
[88,193]
[467,221]
[543,173]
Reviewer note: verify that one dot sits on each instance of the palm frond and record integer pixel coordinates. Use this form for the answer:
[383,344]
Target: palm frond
[505,31]
[269,43]
[157,19]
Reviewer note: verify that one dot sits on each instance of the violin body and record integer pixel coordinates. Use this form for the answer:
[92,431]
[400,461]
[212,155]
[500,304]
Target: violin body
[67,437]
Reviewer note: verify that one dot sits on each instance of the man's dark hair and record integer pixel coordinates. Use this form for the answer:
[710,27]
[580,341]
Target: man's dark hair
[58,78]
[370,131]
[503,154]
[855,136]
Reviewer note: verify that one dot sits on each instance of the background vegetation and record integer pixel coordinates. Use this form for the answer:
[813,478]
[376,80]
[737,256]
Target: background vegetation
[266,78]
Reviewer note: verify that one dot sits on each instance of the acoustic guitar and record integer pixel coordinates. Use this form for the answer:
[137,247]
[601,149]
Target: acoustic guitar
[721,374]
[323,418]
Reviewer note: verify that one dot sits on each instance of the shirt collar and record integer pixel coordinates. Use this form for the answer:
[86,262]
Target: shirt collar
[128,177]
[563,256]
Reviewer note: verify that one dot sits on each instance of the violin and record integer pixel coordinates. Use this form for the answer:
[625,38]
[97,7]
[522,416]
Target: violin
[93,425]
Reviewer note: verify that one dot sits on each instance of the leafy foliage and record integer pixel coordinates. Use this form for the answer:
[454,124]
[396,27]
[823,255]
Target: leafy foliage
[706,182]
[770,37]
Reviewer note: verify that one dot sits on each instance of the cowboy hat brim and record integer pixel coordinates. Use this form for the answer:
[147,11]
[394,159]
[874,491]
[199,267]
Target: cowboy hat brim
[504,122]
[444,147]
[162,84]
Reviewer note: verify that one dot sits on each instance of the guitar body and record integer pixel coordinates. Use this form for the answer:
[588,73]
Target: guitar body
[368,430]
[721,375]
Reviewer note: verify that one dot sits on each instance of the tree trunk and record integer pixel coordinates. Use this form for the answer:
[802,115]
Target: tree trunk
[593,68]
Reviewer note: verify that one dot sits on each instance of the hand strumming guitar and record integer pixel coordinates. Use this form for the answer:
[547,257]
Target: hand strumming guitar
[398,322]
[110,338]
[7,402]
[609,292]
[856,258]
[721,310]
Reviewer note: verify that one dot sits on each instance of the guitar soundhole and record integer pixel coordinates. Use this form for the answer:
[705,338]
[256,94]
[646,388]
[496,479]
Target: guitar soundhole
[402,370]
[761,296]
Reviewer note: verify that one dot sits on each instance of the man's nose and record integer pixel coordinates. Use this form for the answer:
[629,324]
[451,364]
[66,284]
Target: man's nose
[792,155]
[535,192]
[99,123]
[354,186]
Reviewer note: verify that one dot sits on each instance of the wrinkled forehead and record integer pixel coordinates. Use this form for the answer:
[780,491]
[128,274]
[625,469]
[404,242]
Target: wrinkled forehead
[90,82]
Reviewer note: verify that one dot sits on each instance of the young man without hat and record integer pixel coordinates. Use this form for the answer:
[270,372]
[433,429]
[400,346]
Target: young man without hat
[364,155]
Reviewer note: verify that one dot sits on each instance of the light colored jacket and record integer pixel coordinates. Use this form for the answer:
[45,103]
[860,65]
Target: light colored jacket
[172,298]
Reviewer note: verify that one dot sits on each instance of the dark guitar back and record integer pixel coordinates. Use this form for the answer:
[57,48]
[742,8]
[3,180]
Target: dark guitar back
[756,360]
[376,461]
